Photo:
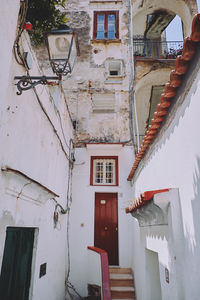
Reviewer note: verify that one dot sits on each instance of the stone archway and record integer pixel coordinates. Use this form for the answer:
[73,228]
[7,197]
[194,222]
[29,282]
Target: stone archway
[141,9]
[143,90]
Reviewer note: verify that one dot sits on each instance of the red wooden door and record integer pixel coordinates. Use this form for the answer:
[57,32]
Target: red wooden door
[106,225]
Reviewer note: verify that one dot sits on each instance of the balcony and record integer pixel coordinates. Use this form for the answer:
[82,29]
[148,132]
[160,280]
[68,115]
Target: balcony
[154,49]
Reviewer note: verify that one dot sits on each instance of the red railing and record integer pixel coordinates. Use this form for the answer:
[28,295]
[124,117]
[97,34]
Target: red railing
[104,272]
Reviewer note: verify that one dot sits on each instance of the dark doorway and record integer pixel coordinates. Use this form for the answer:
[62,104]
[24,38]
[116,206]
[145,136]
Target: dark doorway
[106,225]
[16,266]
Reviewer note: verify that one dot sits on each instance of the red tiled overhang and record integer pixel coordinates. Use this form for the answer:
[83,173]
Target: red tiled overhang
[176,77]
[143,200]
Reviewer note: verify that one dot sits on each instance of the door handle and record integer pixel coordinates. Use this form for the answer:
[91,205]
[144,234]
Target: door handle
[116,228]
[105,228]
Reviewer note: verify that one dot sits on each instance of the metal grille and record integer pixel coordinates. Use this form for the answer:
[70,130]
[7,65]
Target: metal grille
[157,49]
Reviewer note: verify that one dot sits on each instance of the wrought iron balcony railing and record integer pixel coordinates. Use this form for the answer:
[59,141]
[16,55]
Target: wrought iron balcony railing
[157,49]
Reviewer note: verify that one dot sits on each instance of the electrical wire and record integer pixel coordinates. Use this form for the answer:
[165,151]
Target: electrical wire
[19,59]
[63,130]
[16,48]
[69,285]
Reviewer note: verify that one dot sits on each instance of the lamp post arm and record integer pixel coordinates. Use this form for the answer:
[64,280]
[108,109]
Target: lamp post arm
[28,82]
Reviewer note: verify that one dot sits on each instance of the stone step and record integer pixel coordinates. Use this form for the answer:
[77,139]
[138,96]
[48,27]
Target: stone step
[121,276]
[132,298]
[119,282]
[122,292]
[120,270]
[121,279]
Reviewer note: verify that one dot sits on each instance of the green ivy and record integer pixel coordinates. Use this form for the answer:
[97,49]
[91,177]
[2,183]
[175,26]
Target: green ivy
[44,15]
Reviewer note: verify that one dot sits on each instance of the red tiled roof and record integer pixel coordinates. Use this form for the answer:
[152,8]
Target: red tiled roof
[143,199]
[176,77]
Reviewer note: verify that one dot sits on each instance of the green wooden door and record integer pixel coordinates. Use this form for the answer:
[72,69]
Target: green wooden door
[16,266]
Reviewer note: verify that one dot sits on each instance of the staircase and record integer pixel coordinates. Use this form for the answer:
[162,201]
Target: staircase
[121,284]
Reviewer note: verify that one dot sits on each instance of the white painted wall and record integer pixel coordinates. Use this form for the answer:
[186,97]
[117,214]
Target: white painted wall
[30,145]
[94,269]
[8,24]
[173,161]
[82,212]
[153,289]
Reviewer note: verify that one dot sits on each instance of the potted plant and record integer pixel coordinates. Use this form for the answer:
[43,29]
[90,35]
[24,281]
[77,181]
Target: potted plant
[172,53]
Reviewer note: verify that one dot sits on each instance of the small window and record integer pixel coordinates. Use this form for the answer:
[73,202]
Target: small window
[106,25]
[104,171]
[114,68]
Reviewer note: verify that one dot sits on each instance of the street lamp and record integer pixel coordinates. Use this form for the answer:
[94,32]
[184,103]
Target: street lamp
[62,48]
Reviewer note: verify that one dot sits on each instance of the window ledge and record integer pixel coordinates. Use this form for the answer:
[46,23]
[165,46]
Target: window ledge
[104,185]
[103,110]
[104,146]
[106,41]
[113,81]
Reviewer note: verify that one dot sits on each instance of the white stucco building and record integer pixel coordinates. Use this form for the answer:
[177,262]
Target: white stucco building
[35,141]
[109,158]
[166,234]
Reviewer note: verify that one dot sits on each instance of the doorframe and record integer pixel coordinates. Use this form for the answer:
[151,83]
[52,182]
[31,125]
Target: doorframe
[33,265]
[117,196]
[33,262]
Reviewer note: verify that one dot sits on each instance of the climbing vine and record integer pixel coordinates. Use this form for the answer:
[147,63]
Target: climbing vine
[44,15]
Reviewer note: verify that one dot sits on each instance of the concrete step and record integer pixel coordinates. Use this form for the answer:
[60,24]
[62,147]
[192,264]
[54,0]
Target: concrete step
[120,270]
[122,292]
[120,276]
[119,279]
[121,283]
[123,298]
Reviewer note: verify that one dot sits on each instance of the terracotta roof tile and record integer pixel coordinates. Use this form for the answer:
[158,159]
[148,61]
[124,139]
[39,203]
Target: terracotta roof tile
[176,77]
[143,199]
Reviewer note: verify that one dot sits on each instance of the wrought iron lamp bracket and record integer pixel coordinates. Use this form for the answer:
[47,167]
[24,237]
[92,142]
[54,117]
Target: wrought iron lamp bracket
[60,68]
[28,82]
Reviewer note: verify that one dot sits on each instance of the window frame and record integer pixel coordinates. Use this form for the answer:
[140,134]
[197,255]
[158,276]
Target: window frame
[105,14]
[120,68]
[93,158]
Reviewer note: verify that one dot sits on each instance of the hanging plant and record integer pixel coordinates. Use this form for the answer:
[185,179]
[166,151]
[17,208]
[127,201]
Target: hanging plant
[44,15]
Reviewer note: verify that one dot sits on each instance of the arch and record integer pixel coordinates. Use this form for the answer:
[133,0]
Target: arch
[143,94]
[179,8]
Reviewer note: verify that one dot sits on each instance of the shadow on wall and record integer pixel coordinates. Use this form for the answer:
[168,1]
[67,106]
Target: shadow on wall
[175,114]
[192,242]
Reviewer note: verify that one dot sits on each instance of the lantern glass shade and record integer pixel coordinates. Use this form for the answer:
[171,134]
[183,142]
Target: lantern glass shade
[61,46]
[73,53]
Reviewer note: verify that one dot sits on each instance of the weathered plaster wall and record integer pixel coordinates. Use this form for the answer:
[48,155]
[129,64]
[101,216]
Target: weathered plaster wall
[173,162]
[90,74]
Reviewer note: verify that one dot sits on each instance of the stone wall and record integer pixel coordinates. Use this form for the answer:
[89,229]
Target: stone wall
[90,75]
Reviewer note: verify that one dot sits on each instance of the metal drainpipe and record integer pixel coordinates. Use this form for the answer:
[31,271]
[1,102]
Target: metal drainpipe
[136,121]
[131,79]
